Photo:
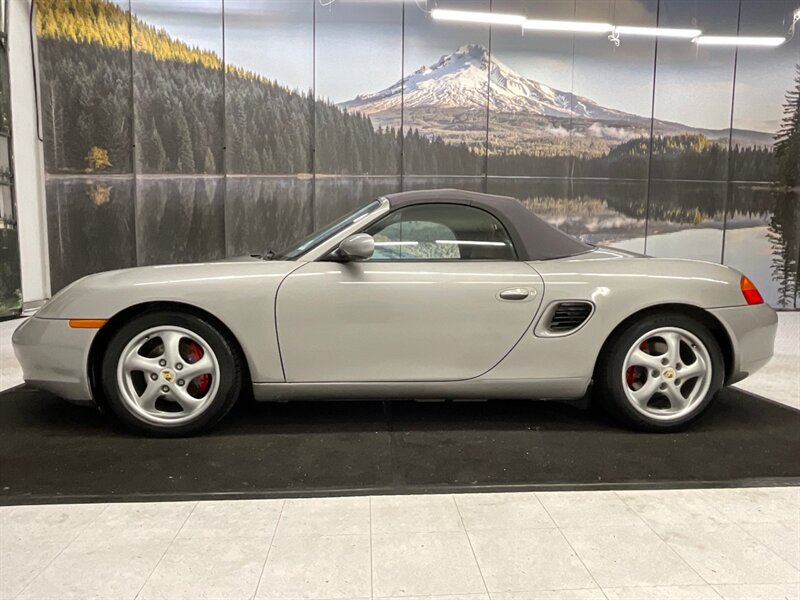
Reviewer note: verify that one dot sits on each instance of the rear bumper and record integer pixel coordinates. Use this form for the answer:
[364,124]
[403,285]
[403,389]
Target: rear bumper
[54,357]
[752,331]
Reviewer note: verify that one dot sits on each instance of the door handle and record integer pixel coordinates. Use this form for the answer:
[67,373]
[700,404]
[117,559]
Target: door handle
[514,294]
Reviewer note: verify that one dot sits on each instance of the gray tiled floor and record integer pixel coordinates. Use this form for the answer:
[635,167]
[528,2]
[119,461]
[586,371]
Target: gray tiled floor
[733,543]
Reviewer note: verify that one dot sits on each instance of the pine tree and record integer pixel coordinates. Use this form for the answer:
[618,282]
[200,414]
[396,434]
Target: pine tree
[185,159]
[209,165]
[787,140]
[153,154]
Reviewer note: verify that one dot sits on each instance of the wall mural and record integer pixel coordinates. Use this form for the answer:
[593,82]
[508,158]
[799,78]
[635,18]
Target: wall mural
[175,132]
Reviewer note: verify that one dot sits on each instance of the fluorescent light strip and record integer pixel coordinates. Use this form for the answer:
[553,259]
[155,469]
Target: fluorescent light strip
[724,40]
[658,31]
[469,243]
[477,17]
[574,26]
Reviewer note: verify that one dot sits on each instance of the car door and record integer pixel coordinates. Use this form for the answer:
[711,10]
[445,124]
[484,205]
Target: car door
[442,298]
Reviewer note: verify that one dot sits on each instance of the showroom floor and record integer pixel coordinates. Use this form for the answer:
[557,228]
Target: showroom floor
[691,543]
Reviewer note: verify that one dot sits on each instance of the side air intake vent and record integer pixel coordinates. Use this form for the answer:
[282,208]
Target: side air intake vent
[568,316]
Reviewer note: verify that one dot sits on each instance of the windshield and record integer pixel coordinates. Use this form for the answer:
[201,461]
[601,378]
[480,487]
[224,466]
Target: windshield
[330,230]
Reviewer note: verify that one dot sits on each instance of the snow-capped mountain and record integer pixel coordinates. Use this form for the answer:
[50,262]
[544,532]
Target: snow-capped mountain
[459,80]
[448,99]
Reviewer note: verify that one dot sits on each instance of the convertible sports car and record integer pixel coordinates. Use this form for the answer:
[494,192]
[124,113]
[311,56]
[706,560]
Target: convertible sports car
[427,294]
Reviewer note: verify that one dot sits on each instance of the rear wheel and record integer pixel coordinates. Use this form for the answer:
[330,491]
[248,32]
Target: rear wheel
[661,372]
[170,374]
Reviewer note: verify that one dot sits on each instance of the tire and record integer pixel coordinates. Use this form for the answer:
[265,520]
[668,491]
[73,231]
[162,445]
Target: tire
[196,364]
[642,358]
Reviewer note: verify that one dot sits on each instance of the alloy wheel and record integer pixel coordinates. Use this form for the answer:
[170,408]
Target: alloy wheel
[168,375]
[667,373]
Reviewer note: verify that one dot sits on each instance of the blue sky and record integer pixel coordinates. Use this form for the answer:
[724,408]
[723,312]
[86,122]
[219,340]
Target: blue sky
[359,42]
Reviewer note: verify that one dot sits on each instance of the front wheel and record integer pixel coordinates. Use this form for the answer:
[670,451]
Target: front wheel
[661,372]
[170,374]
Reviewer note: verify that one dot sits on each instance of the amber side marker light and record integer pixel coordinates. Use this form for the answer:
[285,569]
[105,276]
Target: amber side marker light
[87,323]
[750,291]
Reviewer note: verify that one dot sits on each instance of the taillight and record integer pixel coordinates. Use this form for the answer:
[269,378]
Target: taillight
[750,291]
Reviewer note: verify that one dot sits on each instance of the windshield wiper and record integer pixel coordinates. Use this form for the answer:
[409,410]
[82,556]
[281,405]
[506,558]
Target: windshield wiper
[268,255]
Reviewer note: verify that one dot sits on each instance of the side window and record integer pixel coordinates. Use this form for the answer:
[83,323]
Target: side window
[440,232]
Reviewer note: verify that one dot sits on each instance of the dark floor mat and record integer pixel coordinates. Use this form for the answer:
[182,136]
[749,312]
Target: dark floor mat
[52,451]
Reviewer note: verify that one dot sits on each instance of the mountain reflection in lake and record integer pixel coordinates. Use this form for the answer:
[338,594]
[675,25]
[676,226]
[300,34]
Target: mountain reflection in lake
[98,223]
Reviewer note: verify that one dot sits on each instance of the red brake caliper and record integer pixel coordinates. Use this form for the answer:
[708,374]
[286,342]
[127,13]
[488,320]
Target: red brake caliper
[630,374]
[203,381]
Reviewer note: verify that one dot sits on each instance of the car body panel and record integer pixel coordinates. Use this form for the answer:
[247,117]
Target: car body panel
[240,294]
[619,285]
[402,320]
[752,332]
[53,357]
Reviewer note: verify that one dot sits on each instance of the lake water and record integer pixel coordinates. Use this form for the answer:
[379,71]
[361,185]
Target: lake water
[108,222]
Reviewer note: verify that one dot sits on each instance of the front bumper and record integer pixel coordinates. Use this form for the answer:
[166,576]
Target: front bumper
[54,357]
[752,331]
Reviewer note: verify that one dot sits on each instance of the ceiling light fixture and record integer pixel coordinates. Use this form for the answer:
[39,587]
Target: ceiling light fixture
[730,40]
[467,16]
[574,26]
[658,31]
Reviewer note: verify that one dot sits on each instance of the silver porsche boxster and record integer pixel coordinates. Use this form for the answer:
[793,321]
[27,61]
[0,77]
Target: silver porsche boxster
[427,295]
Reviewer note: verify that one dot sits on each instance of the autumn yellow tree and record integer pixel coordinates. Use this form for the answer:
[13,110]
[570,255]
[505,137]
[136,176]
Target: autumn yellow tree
[97,159]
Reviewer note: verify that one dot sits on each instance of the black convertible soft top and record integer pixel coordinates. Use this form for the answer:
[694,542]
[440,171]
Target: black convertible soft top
[534,238]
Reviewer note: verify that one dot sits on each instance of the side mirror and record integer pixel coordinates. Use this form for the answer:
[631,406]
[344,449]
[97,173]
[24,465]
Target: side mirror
[356,247]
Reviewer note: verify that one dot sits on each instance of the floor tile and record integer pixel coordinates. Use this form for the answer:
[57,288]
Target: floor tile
[582,594]
[324,516]
[88,569]
[783,539]
[414,514]
[502,511]
[773,591]
[208,569]
[661,509]
[139,521]
[22,560]
[682,592]
[727,554]
[233,519]
[334,566]
[630,555]
[525,560]
[587,509]
[757,505]
[53,522]
[483,596]
[423,564]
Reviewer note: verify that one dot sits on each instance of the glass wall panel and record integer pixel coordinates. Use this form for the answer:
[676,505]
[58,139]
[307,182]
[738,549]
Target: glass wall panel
[86,108]
[268,123]
[178,108]
[358,66]
[530,99]
[446,72]
[90,226]
[694,89]
[613,91]
[10,284]
[692,112]
[762,237]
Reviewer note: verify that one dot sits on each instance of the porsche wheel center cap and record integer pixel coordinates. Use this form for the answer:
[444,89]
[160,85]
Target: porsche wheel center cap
[167,375]
[669,373]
